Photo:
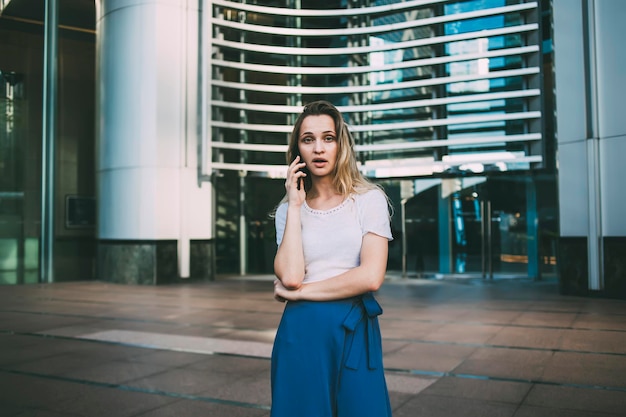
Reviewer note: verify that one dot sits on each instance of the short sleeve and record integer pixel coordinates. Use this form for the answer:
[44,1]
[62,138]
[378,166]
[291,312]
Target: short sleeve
[280,220]
[374,214]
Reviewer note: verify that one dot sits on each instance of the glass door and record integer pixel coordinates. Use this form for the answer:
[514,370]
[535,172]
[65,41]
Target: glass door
[479,228]
[489,230]
[468,237]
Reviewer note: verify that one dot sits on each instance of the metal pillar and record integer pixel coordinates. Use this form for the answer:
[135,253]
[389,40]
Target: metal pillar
[46,253]
[445,243]
[532,230]
[404,242]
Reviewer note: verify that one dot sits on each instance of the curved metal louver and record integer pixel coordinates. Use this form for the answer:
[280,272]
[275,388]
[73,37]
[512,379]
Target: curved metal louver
[428,87]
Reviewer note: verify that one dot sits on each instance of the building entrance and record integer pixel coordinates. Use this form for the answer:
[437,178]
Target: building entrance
[486,240]
[475,228]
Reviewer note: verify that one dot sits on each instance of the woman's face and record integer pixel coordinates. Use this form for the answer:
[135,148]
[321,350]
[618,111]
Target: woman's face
[317,143]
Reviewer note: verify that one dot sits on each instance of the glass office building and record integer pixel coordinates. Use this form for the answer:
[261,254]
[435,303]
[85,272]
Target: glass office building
[444,100]
[172,121]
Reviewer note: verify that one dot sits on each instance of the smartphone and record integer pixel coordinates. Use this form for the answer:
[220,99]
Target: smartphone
[301,179]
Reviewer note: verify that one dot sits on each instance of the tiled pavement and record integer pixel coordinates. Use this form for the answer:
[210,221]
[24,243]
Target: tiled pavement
[509,348]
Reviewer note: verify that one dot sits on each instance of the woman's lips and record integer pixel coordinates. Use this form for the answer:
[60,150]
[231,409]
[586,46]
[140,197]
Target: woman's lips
[319,163]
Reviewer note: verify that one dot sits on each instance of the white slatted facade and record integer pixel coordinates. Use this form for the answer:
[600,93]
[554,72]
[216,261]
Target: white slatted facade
[429,88]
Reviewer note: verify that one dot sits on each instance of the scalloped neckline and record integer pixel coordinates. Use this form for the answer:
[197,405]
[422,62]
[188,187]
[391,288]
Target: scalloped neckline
[325,212]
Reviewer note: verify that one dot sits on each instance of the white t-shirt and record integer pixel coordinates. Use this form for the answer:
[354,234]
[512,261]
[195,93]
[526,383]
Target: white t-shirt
[332,238]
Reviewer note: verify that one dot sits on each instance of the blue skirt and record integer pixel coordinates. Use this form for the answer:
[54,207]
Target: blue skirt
[327,360]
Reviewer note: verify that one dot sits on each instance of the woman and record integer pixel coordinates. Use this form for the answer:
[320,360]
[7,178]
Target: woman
[332,232]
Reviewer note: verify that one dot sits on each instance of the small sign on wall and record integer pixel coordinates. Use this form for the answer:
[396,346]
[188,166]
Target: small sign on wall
[80,212]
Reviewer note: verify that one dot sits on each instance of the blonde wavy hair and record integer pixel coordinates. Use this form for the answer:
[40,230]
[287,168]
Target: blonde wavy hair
[347,179]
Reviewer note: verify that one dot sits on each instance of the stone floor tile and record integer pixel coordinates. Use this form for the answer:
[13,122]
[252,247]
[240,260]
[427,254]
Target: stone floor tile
[104,352]
[599,322]
[56,365]
[603,306]
[437,314]
[406,329]
[12,341]
[108,402]
[508,303]
[251,320]
[586,369]
[116,372]
[390,346]
[531,411]
[595,341]
[169,357]
[480,389]
[490,317]
[37,412]
[250,390]
[33,352]
[463,333]
[261,335]
[558,304]
[398,399]
[527,337]
[182,329]
[33,323]
[187,343]
[546,319]
[184,381]
[517,364]
[202,316]
[392,310]
[11,410]
[427,357]
[408,384]
[437,406]
[577,399]
[226,364]
[203,408]
[35,392]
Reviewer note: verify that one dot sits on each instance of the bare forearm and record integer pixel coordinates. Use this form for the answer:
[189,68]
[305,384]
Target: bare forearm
[288,269]
[368,276]
[354,282]
[289,260]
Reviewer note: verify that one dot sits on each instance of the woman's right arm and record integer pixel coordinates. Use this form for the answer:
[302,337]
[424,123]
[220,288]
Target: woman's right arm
[289,260]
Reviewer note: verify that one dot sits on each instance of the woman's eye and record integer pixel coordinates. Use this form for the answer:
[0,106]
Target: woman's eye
[330,138]
[307,140]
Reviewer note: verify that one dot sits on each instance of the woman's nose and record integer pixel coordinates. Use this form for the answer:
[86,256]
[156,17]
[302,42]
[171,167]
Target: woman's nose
[319,146]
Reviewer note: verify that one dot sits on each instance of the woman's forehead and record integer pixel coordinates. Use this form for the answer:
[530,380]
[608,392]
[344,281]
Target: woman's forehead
[317,123]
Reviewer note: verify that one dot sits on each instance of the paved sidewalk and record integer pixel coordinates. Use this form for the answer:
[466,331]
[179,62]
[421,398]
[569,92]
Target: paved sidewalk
[509,348]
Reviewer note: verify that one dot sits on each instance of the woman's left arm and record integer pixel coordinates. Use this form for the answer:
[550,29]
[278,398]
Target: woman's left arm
[368,276]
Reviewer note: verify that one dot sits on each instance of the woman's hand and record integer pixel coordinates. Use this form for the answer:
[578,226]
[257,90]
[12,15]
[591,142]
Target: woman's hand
[295,176]
[282,294]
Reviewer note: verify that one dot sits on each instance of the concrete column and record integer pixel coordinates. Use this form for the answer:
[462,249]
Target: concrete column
[591,134]
[154,216]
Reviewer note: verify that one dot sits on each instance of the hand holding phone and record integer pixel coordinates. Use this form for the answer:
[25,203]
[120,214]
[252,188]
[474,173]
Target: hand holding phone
[300,180]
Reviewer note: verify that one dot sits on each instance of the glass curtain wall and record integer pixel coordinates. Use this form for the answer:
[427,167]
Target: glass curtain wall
[18,241]
[21,63]
[433,90]
[21,114]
